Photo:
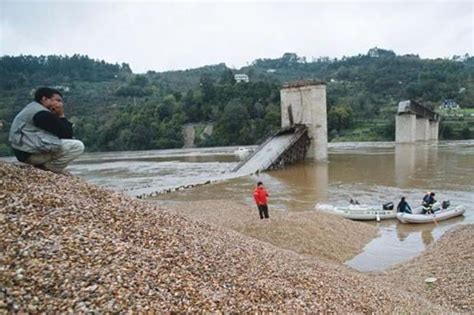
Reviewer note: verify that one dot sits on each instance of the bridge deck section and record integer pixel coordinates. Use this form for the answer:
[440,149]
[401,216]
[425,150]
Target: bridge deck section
[271,150]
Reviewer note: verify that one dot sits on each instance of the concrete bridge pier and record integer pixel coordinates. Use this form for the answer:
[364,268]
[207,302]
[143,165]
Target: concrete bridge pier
[434,130]
[423,129]
[303,134]
[304,102]
[405,128]
[415,122]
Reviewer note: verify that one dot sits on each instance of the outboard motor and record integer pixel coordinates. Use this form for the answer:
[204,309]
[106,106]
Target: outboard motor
[445,204]
[388,206]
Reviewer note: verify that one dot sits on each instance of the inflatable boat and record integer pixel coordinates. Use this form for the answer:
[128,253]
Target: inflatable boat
[440,214]
[366,212]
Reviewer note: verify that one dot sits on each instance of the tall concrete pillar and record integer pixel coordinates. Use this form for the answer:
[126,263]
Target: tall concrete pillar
[405,128]
[307,100]
[423,132]
[434,130]
[415,122]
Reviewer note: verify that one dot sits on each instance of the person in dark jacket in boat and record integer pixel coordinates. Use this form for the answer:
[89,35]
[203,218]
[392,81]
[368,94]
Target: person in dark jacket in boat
[41,135]
[428,202]
[403,206]
[260,195]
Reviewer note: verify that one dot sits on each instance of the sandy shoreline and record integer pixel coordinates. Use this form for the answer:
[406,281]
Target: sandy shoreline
[69,246]
[312,233]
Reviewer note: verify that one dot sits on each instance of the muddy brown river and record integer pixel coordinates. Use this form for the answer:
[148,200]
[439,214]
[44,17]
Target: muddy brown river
[371,172]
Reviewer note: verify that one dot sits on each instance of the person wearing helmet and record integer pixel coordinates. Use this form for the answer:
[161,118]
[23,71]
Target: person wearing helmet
[428,202]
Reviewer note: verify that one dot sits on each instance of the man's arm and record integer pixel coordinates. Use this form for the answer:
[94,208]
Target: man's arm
[50,122]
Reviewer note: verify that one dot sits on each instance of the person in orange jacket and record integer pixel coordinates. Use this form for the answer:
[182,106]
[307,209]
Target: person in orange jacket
[260,195]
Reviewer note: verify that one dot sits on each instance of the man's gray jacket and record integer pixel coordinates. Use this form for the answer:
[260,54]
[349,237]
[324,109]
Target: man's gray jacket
[27,137]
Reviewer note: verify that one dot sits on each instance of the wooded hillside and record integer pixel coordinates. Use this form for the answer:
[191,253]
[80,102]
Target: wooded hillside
[115,109]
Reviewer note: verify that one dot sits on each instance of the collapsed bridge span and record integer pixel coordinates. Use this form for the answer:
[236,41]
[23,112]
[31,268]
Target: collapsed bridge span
[286,146]
[304,130]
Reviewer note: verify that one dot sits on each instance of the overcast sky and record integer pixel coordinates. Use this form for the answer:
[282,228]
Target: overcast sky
[157,35]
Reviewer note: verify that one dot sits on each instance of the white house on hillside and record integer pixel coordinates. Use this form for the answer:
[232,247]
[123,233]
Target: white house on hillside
[241,77]
[449,104]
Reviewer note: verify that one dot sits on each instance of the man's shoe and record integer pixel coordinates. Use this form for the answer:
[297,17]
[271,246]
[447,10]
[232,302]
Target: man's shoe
[63,172]
[41,167]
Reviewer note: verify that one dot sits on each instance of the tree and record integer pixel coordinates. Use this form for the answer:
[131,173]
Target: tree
[466,133]
[192,107]
[289,58]
[446,131]
[234,119]
[340,117]
[167,108]
[207,88]
[139,80]
[227,77]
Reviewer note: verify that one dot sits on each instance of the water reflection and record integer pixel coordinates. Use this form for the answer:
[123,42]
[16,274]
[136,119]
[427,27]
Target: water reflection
[404,163]
[427,236]
[307,181]
[412,160]
[400,242]
[426,231]
[402,234]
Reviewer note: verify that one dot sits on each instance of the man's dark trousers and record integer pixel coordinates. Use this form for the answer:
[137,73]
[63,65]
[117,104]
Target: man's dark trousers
[263,211]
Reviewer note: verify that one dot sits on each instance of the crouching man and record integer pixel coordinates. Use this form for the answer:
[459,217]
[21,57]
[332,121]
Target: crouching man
[41,135]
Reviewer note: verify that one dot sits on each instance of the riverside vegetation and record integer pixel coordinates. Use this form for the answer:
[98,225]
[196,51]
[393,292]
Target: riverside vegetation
[115,109]
[70,246]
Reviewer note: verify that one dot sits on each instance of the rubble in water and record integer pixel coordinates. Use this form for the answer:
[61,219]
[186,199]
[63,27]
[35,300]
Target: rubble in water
[69,246]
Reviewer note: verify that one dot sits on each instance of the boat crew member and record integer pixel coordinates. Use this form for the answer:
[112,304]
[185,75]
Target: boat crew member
[403,206]
[428,202]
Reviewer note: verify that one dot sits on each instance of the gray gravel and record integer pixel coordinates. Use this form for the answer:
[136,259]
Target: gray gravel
[69,246]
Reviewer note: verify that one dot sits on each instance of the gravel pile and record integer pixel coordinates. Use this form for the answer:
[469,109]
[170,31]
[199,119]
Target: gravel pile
[451,262]
[69,246]
[314,233]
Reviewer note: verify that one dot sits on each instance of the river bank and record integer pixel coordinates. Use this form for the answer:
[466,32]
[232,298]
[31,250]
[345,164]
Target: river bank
[314,233]
[68,245]
[450,261]
[329,237]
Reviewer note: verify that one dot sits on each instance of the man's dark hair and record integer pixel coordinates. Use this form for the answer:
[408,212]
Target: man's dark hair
[46,92]
[259,183]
